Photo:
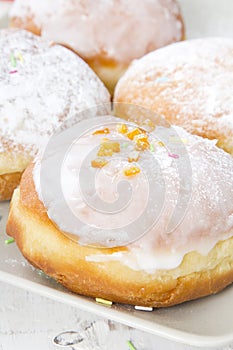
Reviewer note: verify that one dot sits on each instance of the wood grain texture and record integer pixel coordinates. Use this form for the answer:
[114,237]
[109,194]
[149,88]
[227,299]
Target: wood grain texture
[29,321]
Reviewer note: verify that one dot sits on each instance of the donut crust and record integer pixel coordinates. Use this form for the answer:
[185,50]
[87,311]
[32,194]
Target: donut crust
[8,182]
[48,249]
[184,98]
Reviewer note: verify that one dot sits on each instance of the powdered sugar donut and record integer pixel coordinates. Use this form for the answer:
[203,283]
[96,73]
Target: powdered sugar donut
[107,34]
[163,265]
[41,87]
[189,84]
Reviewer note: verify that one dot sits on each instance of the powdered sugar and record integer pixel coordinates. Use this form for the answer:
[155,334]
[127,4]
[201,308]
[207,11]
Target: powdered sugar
[118,30]
[197,92]
[41,87]
[191,208]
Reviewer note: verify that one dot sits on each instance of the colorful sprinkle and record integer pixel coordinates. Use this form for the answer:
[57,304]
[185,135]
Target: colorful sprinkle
[20,57]
[152,147]
[162,79]
[13,60]
[134,170]
[143,308]
[184,140]
[124,145]
[161,144]
[13,71]
[103,301]
[9,241]
[130,345]
[172,155]
[177,140]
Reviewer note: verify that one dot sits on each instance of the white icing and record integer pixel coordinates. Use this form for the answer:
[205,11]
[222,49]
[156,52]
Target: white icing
[197,93]
[115,29]
[206,175]
[50,85]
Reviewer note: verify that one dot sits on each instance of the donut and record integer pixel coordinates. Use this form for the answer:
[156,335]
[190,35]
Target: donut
[42,86]
[189,84]
[170,242]
[107,35]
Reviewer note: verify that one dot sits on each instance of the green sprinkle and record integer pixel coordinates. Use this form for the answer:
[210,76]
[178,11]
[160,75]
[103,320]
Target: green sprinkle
[9,241]
[152,147]
[124,145]
[13,60]
[130,345]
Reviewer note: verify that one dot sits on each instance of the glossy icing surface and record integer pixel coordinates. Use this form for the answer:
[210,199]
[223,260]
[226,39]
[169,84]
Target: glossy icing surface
[118,30]
[181,195]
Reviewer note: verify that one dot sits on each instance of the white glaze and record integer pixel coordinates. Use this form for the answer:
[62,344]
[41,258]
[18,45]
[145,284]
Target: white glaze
[119,30]
[50,86]
[207,219]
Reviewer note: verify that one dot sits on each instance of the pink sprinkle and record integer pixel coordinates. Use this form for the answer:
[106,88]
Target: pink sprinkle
[13,71]
[172,155]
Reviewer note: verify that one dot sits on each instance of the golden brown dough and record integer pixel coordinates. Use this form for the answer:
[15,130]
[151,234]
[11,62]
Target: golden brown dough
[31,109]
[8,182]
[188,84]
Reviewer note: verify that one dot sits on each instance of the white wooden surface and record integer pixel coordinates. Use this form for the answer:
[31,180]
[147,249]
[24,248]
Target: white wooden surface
[29,321]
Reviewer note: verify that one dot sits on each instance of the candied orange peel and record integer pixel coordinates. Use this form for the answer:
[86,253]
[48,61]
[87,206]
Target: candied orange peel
[137,131]
[98,163]
[133,170]
[101,131]
[142,142]
[108,148]
[122,128]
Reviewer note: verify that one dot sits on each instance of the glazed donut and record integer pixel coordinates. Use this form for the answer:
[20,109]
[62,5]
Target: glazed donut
[107,35]
[189,84]
[42,86]
[175,258]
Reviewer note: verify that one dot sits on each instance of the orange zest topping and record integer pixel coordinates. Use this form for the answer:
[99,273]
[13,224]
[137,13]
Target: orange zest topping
[122,128]
[131,135]
[101,131]
[98,163]
[133,156]
[133,170]
[142,143]
[108,148]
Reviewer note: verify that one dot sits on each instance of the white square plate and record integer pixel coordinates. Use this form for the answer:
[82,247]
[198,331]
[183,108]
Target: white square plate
[206,322]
